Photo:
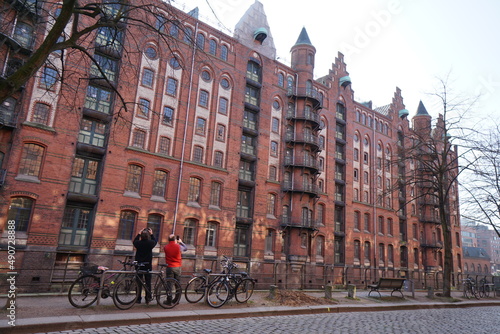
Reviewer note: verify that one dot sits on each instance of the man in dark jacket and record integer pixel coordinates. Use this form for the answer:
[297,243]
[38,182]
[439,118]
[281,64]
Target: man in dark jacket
[144,243]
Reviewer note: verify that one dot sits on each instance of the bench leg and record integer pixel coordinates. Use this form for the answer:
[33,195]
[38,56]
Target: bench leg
[398,290]
[379,295]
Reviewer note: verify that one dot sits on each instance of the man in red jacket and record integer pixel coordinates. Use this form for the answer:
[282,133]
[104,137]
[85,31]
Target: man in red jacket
[173,256]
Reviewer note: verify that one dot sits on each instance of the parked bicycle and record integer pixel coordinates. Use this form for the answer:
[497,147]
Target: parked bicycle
[197,286]
[470,288]
[84,291]
[228,285]
[166,291]
[484,288]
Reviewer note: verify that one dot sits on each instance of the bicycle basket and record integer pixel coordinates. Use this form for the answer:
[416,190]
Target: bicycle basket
[90,269]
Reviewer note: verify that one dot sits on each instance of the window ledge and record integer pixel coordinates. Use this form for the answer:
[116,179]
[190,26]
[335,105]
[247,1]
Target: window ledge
[156,198]
[27,178]
[132,194]
[214,207]
[194,204]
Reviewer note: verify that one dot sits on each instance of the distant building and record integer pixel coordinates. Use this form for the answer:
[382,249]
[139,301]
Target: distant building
[237,153]
[486,241]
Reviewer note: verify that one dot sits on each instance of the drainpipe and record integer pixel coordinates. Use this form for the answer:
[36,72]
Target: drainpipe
[184,139]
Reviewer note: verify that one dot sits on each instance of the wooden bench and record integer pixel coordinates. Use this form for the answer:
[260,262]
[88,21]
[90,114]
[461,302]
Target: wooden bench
[387,283]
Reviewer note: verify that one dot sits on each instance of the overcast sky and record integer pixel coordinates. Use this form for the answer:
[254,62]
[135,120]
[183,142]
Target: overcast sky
[387,43]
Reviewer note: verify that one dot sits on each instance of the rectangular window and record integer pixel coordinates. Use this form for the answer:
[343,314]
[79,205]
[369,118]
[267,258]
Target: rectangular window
[357,250]
[189,233]
[139,138]
[31,160]
[247,144]
[168,115]
[203,98]
[215,192]
[92,132]
[23,34]
[200,126]
[275,126]
[219,159]
[41,113]
[223,104]
[143,107]
[338,251]
[252,95]
[243,204]
[75,226]
[104,67]
[246,170]
[20,212]
[98,99]
[171,86]
[84,176]
[198,154]
[250,120]
[269,242]
[274,149]
[154,223]
[160,183]
[147,77]
[49,78]
[194,190]
[356,154]
[241,241]
[164,145]
[126,225]
[109,37]
[134,178]
[271,204]
[211,238]
[221,132]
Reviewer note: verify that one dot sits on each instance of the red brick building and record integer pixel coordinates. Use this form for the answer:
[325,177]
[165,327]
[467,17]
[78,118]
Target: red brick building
[221,144]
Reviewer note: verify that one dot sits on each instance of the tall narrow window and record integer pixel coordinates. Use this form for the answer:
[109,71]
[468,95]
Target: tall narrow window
[243,204]
[84,176]
[367,251]
[154,223]
[134,178]
[168,115]
[98,99]
[200,126]
[221,132]
[224,51]
[241,239]
[223,104]
[271,204]
[194,190]
[357,250]
[20,212]
[143,108]
[219,159]
[203,100]
[138,138]
[75,226]
[147,77]
[160,183]
[198,154]
[92,132]
[212,47]
[126,225]
[171,86]
[164,145]
[31,160]
[320,246]
[357,224]
[211,236]
[269,242]
[189,233]
[49,78]
[215,194]
[41,113]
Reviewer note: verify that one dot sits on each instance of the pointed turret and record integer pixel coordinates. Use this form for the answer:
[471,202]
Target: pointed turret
[421,109]
[303,38]
[303,54]
[253,31]
[422,120]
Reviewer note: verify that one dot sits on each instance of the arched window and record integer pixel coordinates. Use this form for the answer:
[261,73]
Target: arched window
[189,233]
[126,224]
[31,160]
[154,223]
[134,178]
[20,212]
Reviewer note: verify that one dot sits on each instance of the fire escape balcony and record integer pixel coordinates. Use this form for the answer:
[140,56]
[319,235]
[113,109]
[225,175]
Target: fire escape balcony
[304,115]
[429,219]
[298,223]
[8,119]
[312,140]
[308,188]
[308,93]
[431,244]
[303,161]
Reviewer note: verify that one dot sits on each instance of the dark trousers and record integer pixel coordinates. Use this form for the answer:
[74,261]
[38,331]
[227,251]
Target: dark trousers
[147,280]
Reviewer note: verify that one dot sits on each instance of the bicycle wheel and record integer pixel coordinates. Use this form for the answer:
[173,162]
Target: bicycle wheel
[244,290]
[126,292]
[195,289]
[83,292]
[474,291]
[487,289]
[168,293]
[481,291]
[218,293]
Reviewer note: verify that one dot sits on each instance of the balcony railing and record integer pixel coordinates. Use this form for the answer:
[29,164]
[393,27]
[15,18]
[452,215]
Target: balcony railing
[302,138]
[305,92]
[301,187]
[302,161]
[298,222]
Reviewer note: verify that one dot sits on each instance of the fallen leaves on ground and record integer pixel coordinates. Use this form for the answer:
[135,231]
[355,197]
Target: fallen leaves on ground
[298,298]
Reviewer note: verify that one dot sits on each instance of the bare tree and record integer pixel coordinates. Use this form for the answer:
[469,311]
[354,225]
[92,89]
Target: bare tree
[482,184]
[428,162]
[71,26]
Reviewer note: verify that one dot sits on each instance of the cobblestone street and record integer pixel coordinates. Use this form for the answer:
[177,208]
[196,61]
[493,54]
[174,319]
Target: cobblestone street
[475,320]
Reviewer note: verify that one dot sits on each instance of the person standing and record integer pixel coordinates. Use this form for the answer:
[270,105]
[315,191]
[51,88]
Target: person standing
[144,243]
[173,257]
